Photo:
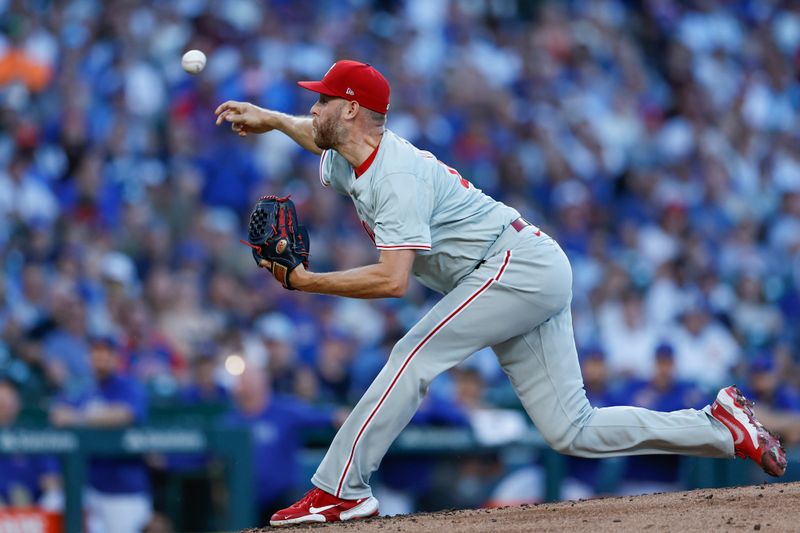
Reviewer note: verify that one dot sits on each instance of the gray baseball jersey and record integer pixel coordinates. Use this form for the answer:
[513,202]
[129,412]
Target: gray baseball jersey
[507,286]
[408,200]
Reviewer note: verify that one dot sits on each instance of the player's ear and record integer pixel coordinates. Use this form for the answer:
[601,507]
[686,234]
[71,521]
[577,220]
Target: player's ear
[351,109]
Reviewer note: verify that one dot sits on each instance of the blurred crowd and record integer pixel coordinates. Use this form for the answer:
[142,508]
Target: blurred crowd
[657,141]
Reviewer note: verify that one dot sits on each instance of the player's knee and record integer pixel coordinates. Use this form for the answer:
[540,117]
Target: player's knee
[564,438]
[570,442]
[564,435]
[560,441]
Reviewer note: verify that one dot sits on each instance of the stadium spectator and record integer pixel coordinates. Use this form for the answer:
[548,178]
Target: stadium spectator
[65,346]
[477,477]
[408,483]
[333,366]
[277,335]
[24,198]
[26,480]
[276,423]
[184,320]
[203,391]
[118,500]
[25,364]
[147,354]
[757,322]
[628,337]
[664,160]
[663,392]
[705,351]
[776,401]
[19,65]
[586,478]
[28,300]
[204,387]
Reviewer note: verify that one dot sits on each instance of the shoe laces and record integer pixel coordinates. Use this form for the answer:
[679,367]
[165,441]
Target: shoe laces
[743,400]
[762,441]
[308,496]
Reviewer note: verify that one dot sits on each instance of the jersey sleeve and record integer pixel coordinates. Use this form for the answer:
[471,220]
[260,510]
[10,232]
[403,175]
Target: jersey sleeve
[404,205]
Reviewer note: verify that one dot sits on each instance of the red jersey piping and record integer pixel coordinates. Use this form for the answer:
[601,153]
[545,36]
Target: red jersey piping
[363,167]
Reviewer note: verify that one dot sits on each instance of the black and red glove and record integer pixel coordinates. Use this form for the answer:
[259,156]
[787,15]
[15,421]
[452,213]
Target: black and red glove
[275,235]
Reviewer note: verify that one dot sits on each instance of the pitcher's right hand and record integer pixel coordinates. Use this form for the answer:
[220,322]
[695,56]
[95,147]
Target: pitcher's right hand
[244,117]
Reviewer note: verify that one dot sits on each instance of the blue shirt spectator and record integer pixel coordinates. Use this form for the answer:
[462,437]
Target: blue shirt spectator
[65,349]
[203,390]
[204,387]
[118,475]
[661,393]
[413,475]
[116,401]
[276,424]
[26,480]
[583,474]
[600,141]
[121,485]
[765,388]
[23,478]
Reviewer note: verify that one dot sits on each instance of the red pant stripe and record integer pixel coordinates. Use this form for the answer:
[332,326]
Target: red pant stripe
[414,352]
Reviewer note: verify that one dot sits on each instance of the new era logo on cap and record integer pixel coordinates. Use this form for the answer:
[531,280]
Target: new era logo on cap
[355,81]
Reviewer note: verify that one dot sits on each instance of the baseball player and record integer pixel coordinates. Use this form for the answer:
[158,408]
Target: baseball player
[506,284]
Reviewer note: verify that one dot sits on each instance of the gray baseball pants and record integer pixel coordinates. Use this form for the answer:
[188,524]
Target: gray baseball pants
[517,302]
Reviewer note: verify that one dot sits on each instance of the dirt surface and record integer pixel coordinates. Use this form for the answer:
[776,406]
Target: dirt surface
[771,507]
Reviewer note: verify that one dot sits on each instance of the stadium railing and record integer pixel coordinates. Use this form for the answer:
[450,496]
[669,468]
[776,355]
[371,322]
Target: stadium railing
[192,431]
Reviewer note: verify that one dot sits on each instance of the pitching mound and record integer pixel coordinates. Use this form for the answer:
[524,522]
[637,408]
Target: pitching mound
[772,507]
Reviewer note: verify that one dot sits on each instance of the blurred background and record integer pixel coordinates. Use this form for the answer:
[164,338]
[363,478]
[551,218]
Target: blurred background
[657,141]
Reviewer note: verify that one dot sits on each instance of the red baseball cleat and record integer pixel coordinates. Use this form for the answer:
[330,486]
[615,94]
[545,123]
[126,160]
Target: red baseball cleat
[319,506]
[750,438]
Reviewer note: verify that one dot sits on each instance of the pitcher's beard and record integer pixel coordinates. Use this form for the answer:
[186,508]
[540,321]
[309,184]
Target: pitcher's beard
[328,135]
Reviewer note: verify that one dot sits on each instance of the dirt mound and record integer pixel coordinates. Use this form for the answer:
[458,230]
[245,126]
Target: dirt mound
[770,507]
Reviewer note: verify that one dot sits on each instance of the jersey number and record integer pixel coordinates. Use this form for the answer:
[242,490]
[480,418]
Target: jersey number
[462,180]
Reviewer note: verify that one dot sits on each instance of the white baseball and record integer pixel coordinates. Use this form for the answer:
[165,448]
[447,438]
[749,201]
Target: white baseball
[193,61]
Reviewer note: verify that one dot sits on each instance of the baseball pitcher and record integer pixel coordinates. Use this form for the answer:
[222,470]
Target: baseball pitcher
[506,285]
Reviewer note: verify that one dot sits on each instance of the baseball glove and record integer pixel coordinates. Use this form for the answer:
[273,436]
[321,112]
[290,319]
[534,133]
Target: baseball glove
[274,234]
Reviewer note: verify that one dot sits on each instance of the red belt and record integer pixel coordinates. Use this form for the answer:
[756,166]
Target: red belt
[520,224]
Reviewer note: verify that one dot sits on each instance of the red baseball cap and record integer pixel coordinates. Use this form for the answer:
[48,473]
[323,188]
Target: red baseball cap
[356,81]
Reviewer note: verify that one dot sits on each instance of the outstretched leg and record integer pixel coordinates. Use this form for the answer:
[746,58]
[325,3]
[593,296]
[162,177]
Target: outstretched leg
[544,370]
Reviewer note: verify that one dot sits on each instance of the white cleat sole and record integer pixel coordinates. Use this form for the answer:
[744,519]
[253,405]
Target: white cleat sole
[367,508]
